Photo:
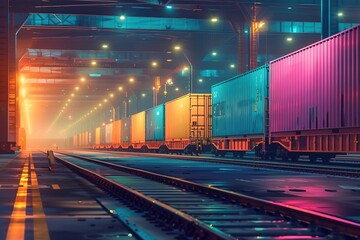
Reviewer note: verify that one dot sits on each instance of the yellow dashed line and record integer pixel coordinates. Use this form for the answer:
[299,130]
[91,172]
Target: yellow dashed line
[55,186]
[16,228]
[41,231]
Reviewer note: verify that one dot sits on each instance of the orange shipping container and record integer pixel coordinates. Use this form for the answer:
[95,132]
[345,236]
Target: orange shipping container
[116,129]
[138,127]
[188,117]
[97,136]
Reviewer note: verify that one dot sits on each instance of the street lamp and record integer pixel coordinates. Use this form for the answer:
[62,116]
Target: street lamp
[177,48]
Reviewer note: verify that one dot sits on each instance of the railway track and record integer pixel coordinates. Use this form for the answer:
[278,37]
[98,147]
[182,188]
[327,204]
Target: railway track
[335,169]
[202,212]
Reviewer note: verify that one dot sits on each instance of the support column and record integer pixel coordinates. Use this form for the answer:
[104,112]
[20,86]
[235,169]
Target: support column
[7,80]
[254,40]
[329,18]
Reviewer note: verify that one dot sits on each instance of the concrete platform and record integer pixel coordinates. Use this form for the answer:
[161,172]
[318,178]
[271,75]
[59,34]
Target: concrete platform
[37,203]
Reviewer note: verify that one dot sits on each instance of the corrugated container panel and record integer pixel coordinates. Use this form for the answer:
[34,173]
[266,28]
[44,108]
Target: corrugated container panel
[126,129]
[317,87]
[102,135]
[138,127]
[86,138]
[116,130]
[238,104]
[181,123]
[75,141]
[108,133]
[97,136]
[92,136]
[155,123]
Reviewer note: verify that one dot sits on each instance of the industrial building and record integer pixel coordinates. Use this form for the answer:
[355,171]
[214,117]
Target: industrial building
[179,119]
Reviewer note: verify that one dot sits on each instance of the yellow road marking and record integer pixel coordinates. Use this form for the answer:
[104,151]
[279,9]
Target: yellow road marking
[55,186]
[16,228]
[41,231]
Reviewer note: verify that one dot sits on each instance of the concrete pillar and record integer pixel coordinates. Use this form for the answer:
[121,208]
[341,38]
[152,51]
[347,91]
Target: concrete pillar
[329,18]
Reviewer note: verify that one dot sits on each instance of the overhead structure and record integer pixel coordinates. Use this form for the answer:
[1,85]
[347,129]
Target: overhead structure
[107,42]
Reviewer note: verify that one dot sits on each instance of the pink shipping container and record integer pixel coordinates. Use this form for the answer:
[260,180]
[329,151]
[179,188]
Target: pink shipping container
[314,96]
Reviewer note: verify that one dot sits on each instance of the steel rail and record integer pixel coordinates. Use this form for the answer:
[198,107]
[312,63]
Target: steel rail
[190,225]
[325,221]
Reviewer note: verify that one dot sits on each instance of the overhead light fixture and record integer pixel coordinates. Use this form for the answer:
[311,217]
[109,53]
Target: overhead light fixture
[105,46]
[289,39]
[214,20]
[122,17]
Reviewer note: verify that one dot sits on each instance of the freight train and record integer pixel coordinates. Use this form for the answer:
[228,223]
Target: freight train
[304,103]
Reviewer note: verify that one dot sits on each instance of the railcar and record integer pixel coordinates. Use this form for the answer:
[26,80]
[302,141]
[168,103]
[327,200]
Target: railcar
[304,103]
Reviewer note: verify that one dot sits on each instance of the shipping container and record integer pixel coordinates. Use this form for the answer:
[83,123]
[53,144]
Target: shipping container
[92,136]
[108,133]
[238,104]
[138,128]
[97,136]
[102,135]
[125,130]
[314,95]
[155,123]
[75,141]
[116,130]
[188,118]
[239,108]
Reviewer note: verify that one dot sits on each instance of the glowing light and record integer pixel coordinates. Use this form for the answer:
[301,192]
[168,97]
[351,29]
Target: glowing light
[69,100]
[95,108]
[66,104]
[103,124]
[131,80]
[340,14]
[111,95]
[143,95]
[105,100]
[105,46]
[169,7]
[154,64]
[77,88]
[214,53]
[22,80]
[23,92]
[177,89]
[169,60]
[232,65]
[214,20]
[82,79]
[120,88]
[289,39]
[261,24]
[186,69]
[122,17]
[200,80]
[177,48]
[100,104]
[72,95]
[93,63]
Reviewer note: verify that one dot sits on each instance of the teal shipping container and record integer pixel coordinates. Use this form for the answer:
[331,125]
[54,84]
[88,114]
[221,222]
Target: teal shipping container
[155,123]
[126,129]
[238,104]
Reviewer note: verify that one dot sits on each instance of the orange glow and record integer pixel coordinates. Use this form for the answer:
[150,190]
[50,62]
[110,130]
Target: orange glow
[16,229]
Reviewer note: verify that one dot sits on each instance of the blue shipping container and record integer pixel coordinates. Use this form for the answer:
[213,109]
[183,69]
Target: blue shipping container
[126,129]
[155,123]
[238,104]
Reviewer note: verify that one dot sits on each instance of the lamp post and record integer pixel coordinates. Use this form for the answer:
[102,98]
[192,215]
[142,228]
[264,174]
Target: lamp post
[178,48]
